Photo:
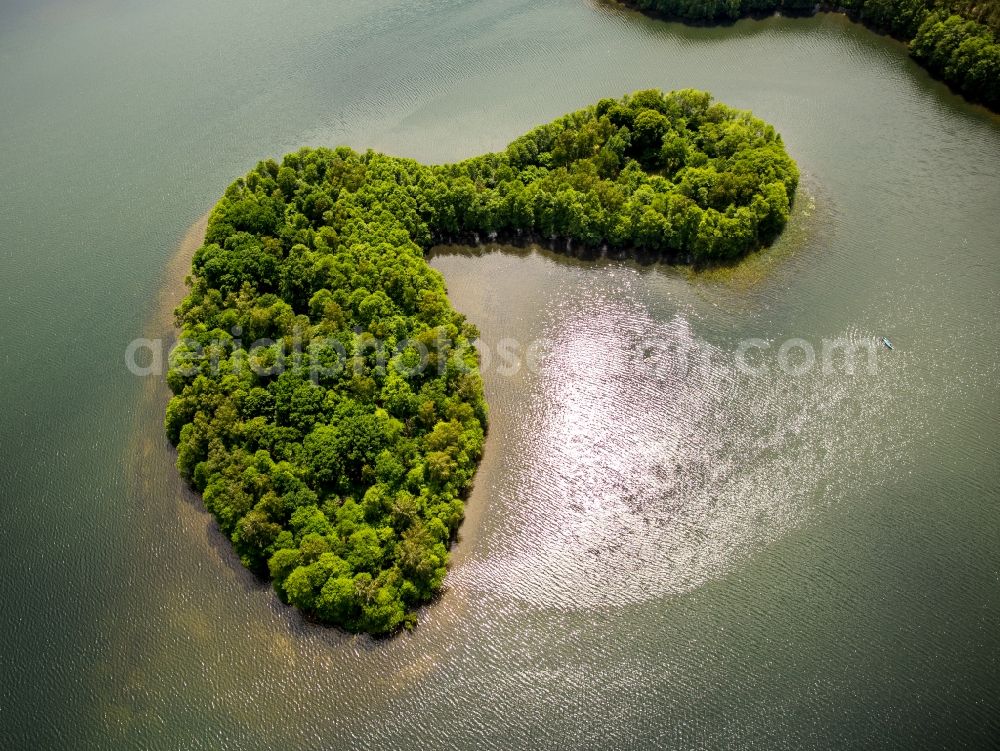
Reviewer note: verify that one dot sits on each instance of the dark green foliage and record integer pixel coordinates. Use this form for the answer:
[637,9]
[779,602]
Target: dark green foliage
[956,40]
[962,52]
[328,403]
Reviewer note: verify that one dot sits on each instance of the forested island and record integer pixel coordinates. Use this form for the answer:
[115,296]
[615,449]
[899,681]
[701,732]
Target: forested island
[958,41]
[328,404]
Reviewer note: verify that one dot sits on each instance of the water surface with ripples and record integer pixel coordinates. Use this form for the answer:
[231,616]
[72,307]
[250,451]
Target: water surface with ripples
[661,550]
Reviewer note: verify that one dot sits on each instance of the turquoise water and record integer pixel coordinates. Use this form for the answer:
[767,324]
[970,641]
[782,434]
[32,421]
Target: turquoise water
[656,555]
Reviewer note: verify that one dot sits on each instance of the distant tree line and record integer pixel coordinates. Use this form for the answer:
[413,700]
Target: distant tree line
[328,404]
[958,41]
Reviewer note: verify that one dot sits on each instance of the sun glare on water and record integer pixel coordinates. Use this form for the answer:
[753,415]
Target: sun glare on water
[651,464]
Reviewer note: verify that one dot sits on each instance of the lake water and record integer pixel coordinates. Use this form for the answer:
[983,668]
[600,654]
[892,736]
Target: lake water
[661,550]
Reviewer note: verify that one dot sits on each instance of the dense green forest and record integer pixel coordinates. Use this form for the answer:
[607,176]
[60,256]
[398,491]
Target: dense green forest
[327,401]
[958,41]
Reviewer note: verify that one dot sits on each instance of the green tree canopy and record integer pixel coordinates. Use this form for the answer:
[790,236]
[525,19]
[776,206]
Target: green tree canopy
[328,403]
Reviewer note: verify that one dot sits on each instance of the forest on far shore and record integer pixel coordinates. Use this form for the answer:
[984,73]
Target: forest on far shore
[958,41]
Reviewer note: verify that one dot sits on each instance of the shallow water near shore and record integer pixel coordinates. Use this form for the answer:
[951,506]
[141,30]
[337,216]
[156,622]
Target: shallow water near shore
[660,550]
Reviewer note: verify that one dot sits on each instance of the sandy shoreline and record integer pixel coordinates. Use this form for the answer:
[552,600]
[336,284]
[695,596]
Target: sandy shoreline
[147,436]
[172,288]
[150,458]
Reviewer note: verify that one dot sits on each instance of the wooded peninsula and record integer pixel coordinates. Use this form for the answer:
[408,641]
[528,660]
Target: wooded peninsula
[328,404]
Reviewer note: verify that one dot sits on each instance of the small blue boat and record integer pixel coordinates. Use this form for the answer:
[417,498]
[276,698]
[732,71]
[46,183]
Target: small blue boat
[886,342]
